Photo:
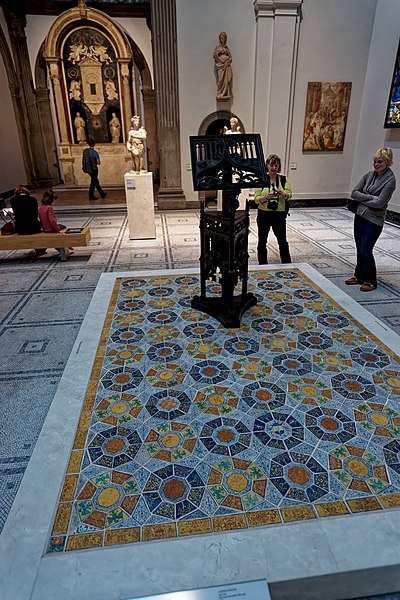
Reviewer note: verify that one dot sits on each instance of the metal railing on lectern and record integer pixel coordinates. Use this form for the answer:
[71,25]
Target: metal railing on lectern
[229,163]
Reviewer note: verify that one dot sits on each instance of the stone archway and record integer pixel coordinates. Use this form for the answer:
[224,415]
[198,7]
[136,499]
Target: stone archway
[219,116]
[213,124]
[92,66]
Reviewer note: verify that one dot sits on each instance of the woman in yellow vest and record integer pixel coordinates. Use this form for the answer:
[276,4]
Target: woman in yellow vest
[273,208]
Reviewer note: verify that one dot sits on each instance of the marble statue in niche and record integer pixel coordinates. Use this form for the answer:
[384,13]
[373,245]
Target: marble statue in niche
[235,127]
[115,128]
[75,90]
[79,125]
[111,92]
[136,145]
[223,64]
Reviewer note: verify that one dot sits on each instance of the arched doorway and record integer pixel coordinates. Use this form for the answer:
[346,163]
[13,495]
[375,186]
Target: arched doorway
[214,124]
[97,75]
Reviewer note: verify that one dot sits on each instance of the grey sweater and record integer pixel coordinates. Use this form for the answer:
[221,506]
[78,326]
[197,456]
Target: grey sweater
[374,195]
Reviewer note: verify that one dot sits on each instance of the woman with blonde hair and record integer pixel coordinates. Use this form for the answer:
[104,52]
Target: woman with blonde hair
[372,194]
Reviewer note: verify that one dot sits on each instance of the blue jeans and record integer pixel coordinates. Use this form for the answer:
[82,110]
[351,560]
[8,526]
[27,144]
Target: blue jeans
[366,235]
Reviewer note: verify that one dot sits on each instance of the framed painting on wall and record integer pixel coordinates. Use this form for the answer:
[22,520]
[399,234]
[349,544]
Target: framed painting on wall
[327,107]
[392,118]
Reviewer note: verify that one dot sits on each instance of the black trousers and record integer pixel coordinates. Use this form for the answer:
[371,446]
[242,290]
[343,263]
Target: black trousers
[277,221]
[95,184]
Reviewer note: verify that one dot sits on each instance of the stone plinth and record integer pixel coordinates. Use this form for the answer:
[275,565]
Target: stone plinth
[140,204]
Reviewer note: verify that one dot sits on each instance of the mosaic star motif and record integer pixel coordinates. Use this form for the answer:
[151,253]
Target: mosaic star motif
[118,409]
[378,419]
[358,469]
[188,427]
[170,441]
[264,395]
[114,446]
[237,484]
[299,477]
[216,400]
[107,499]
[278,430]
[330,425]
[173,491]
[309,390]
[225,436]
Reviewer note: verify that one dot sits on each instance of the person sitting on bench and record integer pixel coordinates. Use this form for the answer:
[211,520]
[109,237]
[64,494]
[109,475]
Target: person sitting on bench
[47,217]
[26,214]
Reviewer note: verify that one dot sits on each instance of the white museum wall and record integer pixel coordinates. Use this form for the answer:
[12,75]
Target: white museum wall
[198,26]
[371,134]
[139,32]
[333,46]
[37,28]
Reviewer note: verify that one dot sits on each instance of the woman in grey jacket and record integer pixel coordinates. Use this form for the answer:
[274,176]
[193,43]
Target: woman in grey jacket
[373,193]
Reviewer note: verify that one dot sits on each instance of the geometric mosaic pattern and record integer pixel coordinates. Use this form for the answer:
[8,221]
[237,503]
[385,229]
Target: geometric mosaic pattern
[188,427]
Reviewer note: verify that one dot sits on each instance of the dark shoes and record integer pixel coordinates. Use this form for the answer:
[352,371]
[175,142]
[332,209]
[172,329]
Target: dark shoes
[104,195]
[94,198]
[353,281]
[367,287]
[40,251]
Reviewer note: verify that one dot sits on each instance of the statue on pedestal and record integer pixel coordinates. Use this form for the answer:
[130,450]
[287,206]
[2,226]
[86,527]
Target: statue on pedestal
[136,145]
[223,64]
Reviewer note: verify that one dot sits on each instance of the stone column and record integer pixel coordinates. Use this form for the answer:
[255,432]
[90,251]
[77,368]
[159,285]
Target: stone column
[33,137]
[54,71]
[126,103]
[277,36]
[43,102]
[163,21]
[151,128]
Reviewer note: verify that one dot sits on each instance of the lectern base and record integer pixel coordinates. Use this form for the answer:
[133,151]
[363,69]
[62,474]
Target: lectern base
[216,307]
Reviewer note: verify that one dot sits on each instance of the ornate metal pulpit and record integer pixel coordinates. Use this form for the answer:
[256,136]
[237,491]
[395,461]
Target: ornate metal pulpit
[229,163]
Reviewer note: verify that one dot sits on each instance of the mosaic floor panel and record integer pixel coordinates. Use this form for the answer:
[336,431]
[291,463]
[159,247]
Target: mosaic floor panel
[190,428]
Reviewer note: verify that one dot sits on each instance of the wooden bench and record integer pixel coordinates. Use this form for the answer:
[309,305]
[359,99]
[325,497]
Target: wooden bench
[46,240]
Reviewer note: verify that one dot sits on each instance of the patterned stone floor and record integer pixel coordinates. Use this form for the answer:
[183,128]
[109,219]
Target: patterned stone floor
[43,299]
[188,427]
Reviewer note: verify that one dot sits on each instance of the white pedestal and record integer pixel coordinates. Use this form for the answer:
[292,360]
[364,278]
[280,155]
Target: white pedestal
[140,204]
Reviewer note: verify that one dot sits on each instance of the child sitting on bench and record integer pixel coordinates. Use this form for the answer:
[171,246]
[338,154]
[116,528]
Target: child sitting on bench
[47,217]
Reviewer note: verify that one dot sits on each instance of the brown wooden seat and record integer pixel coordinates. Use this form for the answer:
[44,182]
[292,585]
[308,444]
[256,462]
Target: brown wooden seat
[46,240]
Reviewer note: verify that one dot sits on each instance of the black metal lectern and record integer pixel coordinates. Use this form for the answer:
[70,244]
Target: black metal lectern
[229,163]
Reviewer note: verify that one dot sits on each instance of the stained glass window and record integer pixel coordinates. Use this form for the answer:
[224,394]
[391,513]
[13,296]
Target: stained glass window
[392,118]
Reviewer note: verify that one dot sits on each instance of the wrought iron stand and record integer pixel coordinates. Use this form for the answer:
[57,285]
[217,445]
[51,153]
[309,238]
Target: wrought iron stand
[229,163]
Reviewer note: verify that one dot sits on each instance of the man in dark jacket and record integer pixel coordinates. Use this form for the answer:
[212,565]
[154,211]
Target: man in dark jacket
[90,163]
